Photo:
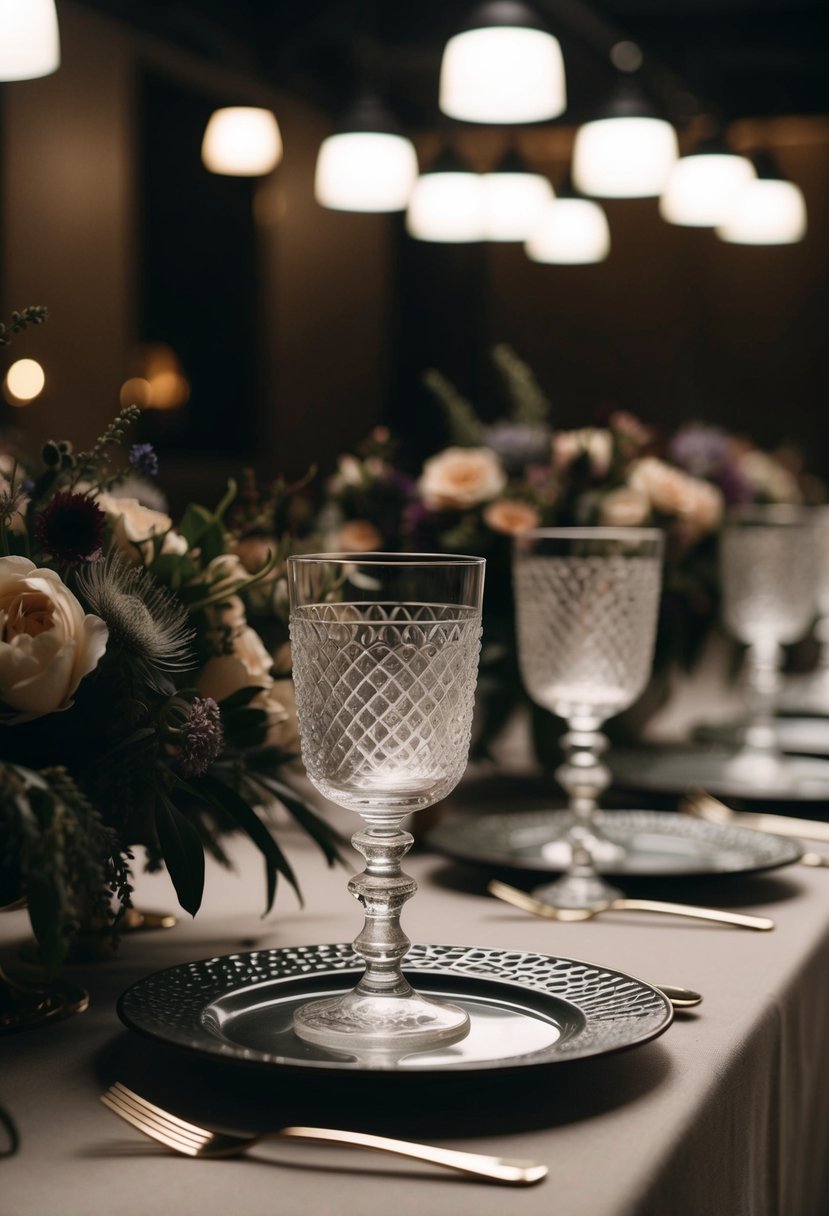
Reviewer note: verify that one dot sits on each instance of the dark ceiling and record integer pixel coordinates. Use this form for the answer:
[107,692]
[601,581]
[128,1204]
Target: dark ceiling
[742,58]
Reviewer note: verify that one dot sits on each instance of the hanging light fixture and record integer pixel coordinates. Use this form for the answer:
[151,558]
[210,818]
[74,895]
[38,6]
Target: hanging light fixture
[367,165]
[241,141]
[503,67]
[447,203]
[571,231]
[769,210]
[627,151]
[514,198]
[703,185]
[29,39]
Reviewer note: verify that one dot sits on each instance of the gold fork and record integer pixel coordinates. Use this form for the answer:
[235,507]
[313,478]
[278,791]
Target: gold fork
[195,1141]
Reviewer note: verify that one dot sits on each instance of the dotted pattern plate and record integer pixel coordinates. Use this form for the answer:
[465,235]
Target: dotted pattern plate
[593,1009]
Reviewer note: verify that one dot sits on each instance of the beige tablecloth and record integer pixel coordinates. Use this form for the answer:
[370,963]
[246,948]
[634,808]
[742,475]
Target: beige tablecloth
[727,1114]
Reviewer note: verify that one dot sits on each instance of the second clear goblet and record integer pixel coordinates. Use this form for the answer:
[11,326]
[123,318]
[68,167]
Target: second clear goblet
[586,602]
[385,655]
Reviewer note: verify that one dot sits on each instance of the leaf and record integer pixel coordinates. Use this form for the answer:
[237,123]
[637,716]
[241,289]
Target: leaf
[46,914]
[12,1134]
[328,838]
[194,523]
[183,854]
[240,698]
[234,804]
[212,542]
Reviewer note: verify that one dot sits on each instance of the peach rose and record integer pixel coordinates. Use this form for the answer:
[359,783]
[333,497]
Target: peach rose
[357,536]
[47,643]
[671,492]
[511,516]
[134,526]
[769,479]
[461,477]
[592,441]
[624,508]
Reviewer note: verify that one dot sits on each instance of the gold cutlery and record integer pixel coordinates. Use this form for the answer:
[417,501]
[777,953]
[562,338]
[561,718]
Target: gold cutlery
[195,1141]
[680,998]
[528,903]
[702,805]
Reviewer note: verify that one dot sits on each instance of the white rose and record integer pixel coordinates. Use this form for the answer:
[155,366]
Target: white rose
[768,477]
[134,526]
[592,441]
[697,503]
[624,508]
[461,477]
[47,644]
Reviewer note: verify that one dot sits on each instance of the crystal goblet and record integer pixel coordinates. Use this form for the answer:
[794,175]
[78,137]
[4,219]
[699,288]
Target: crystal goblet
[385,655]
[586,601]
[769,576]
[809,693]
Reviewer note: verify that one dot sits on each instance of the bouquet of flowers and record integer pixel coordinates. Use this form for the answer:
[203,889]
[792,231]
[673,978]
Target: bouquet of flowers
[498,479]
[137,704]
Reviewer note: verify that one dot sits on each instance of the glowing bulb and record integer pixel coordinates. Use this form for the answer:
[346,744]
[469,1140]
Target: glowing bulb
[767,211]
[365,171]
[447,207]
[502,74]
[241,141]
[702,187]
[29,39]
[24,381]
[513,203]
[572,231]
[627,157]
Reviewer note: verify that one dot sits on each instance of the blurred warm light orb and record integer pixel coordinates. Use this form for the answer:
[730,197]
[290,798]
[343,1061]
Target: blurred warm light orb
[767,211]
[29,39]
[242,141]
[629,157]
[162,384]
[503,74]
[702,188]
[136,391]
[24,381]
[365,171]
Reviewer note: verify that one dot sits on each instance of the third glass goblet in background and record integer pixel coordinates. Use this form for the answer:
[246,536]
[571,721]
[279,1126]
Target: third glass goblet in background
[385,654]
[587,601]
[769,572]
[809,693]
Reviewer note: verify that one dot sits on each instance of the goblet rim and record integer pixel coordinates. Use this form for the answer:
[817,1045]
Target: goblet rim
[375,557]
[769,515]
[584,532]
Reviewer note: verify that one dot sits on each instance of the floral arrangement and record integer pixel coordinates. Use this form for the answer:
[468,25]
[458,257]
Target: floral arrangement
[138,706]
[498,479]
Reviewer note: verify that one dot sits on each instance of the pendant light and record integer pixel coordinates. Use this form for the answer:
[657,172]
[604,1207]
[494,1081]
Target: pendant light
[504,66]
[447,203]
[514,198]
[627,151]
[241,141]
[29,39]
[367,165]
[770,210]
[572,231]
[704,184]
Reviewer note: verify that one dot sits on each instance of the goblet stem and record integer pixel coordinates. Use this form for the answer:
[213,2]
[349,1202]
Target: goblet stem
[763,691]
[383,1016]
[584,778]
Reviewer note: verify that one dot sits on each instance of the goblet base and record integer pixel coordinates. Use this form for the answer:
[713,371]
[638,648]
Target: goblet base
[577,891]
[400,1025]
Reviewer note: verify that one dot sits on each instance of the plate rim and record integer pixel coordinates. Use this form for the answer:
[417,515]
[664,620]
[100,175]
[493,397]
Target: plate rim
[326,1069]
[505,862]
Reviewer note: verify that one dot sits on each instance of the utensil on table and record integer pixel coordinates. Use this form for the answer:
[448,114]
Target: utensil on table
[703,805]
[194,1141]
[680,998]
[529,903]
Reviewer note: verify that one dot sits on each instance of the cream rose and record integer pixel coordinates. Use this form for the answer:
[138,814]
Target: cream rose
[357,536]
[511,516]
[671,492]
[134,526]
[624,508]
[47,643]
[461,477]
[592,441]
[768,477]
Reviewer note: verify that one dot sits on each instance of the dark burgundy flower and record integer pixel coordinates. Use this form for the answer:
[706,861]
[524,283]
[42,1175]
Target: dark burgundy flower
[71,528]
[201,737]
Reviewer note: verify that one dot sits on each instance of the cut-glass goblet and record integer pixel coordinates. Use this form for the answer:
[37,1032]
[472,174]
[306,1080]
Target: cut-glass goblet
[586,605]
[385,657]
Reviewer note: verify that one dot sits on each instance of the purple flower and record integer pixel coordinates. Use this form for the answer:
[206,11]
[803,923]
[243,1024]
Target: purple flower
[517,444]
[71,528]
[143,459]
[701,450]
[201,737]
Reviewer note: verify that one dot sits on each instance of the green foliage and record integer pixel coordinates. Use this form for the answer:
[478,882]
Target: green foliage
[529,405]
[465,427]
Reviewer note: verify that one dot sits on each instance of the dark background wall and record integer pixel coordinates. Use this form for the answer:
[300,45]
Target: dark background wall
[299,327]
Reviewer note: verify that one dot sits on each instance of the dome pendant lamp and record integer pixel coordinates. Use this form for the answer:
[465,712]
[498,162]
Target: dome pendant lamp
[627,151]
[504,66]
[366,165]
[514,198]
[704,184]
[447,203]
[572,231]
[29,39]
[769,210]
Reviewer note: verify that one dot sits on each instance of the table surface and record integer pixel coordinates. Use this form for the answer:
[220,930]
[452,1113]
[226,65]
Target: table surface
[727,1113]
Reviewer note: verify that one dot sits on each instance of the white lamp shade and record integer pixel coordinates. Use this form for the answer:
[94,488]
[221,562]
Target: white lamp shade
[702,188]
[447,207]
[624,157]
[29,39]
[513,203]
[241,141]
[572,231]
[502,74]
[365,171]
[767,211]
